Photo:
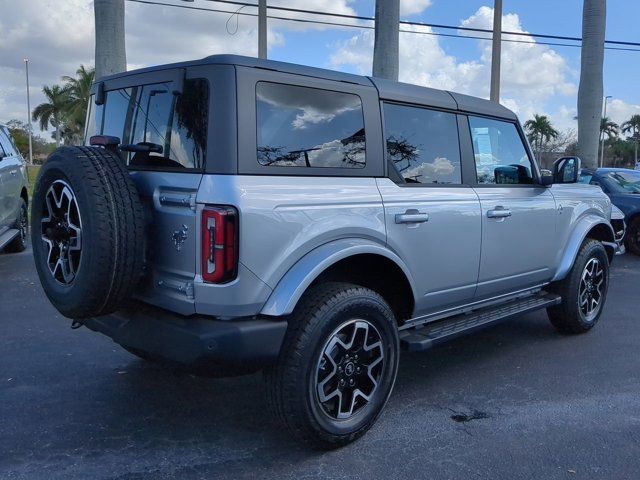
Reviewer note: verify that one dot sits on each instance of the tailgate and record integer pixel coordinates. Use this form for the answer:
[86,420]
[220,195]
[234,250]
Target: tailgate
[171,238]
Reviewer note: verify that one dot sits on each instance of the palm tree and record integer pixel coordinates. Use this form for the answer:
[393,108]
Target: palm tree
[53,111]
[633,126]
[79,91]
[590,91]
[386,43]
[540,130]
[111,56]
[608,127]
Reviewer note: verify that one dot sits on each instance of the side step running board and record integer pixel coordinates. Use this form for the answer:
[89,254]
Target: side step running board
[426,336]
[7,236]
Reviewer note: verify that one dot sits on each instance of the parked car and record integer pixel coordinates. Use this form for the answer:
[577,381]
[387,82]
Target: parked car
[248,215]
[623,188]
[14,198]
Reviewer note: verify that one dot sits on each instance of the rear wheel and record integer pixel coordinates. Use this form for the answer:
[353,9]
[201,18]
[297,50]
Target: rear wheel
[19,243]
[583,291]
[632,238]
[337,365]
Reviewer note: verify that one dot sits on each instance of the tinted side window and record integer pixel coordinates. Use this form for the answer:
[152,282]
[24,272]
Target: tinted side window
[94,119]
[7,143]
[173,129]
[423,144]
[309,127]
[500,155]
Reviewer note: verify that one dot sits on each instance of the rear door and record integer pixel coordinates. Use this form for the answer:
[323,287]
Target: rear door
[432,215]
[518,215]
[161,120]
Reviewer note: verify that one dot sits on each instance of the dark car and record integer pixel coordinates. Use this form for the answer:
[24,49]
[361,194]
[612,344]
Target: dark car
[623,187]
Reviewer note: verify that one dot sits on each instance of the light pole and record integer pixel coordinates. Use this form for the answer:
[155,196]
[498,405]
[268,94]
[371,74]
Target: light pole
[262,28]
[26,65]
[494,94]
[604,115]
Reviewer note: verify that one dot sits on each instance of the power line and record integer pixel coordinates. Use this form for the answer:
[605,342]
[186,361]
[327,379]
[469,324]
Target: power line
[370,27]
[432,25]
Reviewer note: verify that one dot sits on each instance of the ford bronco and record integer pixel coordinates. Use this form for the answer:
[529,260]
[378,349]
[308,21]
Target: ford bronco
[236,214]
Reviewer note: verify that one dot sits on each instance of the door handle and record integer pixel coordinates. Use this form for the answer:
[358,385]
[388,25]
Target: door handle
[412,216]
[13,172]
[499,212]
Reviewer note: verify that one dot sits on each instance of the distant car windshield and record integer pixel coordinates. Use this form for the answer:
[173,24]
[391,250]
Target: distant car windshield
[625,182]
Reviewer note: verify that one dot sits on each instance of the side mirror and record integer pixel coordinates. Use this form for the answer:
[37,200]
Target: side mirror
[566,170]
[546,178]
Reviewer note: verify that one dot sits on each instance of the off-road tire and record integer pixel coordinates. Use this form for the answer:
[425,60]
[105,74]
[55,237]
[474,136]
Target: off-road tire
[291,382]
[19,244]
[632,239]
[112,240]
[567,317]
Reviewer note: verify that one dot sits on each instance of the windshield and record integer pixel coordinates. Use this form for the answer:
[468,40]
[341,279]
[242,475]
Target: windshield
[624,182]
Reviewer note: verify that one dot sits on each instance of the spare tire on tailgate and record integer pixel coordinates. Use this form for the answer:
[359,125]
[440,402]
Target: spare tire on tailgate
[87,225]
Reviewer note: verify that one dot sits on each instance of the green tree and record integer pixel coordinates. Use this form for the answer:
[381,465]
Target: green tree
[78,90]
[540,130]
[53,111]
[608,127]
[633,126]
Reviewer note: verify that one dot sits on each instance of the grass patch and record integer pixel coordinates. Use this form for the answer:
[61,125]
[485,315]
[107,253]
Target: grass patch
[32,175]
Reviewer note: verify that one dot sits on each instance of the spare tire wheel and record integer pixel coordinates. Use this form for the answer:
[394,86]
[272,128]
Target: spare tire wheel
[88,231]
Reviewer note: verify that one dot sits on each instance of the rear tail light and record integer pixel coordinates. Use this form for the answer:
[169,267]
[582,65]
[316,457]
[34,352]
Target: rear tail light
[219,244]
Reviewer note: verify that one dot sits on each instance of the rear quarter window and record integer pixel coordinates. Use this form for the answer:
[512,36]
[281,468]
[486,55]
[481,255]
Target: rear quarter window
[309,127]
[158,130]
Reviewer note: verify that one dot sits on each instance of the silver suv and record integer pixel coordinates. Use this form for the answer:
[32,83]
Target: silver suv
[233,215]
[13,195]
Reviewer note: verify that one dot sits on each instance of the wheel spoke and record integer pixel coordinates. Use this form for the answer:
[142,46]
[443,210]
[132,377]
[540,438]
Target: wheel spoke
[349,369]
[61,231]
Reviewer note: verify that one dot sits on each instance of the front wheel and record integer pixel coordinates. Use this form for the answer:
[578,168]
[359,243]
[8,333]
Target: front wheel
[583,291]
[337,365]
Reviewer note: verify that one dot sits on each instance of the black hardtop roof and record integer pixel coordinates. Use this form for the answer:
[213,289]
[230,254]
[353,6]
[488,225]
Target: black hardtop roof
[387,89]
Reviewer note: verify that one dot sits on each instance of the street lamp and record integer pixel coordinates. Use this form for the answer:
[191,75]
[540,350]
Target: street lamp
[26,65]
[602,131]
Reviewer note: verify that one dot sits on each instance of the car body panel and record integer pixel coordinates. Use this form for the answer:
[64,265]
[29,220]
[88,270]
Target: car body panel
[13,180]
[294,283]
[453,230]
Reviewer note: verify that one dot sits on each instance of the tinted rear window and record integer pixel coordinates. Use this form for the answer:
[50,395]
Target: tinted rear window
[309,127]
[173,127]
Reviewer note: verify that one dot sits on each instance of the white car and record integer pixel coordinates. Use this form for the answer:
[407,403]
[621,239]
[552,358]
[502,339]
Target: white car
[14,198]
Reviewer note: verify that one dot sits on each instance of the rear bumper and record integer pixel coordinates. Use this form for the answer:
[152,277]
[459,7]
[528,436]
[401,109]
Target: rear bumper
[193,340]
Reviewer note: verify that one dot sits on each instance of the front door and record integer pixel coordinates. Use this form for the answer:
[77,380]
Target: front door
[518,214]
[432,218]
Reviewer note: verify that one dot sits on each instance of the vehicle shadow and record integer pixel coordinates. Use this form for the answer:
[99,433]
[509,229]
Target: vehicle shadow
[154,403]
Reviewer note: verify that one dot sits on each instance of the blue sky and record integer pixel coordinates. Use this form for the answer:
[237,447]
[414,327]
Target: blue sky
[536,78]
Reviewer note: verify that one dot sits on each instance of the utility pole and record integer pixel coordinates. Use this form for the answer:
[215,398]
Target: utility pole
[604,115]
[111,54]
[26,65]
[387,39]
[494,95]
[262,28]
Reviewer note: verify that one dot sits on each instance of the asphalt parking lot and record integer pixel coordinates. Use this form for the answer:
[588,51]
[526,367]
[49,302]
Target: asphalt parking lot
[514,401]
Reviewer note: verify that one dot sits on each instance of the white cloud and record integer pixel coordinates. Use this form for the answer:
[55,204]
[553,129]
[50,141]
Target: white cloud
[620,111]
[58,36]
[412,7]
[531,73]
